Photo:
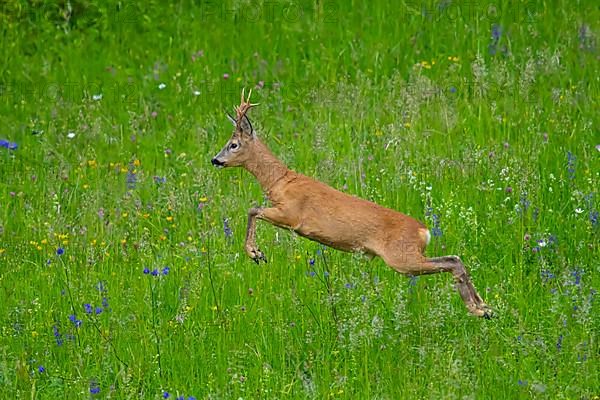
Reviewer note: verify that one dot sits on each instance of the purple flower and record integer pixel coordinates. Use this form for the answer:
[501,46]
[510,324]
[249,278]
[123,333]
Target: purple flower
[225,76]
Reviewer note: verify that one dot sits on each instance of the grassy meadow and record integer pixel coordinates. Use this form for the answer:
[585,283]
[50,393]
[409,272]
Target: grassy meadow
[122,268]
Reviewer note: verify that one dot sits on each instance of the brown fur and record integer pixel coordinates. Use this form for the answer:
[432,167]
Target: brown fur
[318,212]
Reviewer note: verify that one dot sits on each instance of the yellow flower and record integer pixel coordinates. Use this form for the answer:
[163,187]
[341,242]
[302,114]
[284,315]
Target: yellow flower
[86,186]
[123,241]
[92,163]
[203,199]
[145,215]
[34,334]
[163,237]
[125,215]
[169,218]
[136,162]
[44,241]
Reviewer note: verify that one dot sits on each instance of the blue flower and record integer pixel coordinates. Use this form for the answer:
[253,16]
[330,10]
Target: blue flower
[166,395]
[311,262]
[154,272]
[165,270]
[105,302]
[75,321]
[226,228]
[146,270]
[41,369]
[88,308]
[95,389]
[8,145]
[60,251]
[99,310]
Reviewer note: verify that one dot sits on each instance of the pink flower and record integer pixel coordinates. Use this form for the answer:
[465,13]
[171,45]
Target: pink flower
[225,76]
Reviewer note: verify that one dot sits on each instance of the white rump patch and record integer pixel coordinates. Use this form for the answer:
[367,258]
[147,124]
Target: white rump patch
[427,236]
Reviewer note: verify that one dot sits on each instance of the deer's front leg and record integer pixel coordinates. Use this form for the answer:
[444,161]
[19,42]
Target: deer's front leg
[272,215]
[251,249]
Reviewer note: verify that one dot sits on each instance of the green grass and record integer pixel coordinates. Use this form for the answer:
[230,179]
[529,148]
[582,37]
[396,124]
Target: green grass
[413,105]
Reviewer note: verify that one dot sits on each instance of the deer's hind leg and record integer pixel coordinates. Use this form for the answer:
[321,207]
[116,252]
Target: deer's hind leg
[413,264]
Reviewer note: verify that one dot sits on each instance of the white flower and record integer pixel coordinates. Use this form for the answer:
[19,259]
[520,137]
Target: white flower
[578,210]
[162,86]
[71,135]
[196,93]
[97,97]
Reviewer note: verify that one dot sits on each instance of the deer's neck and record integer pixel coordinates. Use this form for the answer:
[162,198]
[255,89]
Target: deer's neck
[267,168]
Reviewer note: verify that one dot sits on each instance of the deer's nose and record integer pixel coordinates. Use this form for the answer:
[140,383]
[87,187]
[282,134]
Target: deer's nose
[216,162]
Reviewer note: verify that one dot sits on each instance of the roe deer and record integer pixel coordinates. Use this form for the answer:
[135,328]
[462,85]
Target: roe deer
[326,215]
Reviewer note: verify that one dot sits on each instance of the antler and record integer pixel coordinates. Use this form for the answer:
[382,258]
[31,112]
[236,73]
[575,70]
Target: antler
[244,106]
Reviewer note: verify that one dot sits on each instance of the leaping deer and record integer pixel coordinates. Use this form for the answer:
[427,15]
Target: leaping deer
[318,212]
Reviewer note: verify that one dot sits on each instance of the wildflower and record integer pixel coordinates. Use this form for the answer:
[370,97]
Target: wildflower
[436,230]
[94,388]
[70,135]
[452,89]
[41,369]
[527,237]
[159,180]
[98,310]
[161,86]
[60,251]
[311,262]
[508,190]
[8,145]
[154,272]
[578,210]
[105,302]
[146,270]
[131,178]
[88,308]
[559,343]
[226,229]
[225,76]
[349,285]
[166,395]
[154,114]
[260,84]
[165,270]
[97,97]
[571,165]
[75,321]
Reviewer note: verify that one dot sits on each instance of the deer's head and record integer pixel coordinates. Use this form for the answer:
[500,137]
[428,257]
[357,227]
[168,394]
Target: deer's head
[237,150]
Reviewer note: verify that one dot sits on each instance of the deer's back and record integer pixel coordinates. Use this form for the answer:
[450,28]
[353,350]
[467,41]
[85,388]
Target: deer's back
[322,213]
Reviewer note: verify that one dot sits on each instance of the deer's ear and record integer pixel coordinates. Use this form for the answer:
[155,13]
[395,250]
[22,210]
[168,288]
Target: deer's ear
[231,119]
[246,127]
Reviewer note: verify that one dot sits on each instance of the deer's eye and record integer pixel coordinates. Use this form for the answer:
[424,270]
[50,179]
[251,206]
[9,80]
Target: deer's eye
[233,146]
